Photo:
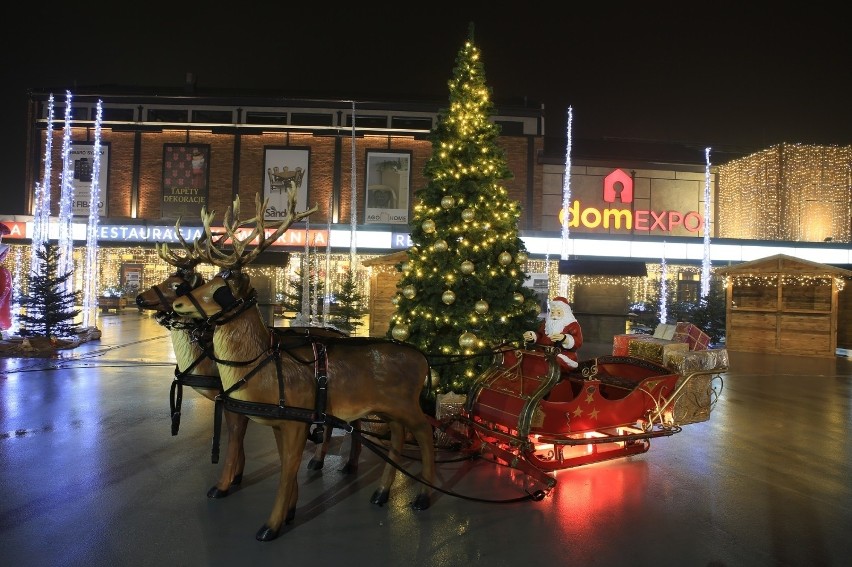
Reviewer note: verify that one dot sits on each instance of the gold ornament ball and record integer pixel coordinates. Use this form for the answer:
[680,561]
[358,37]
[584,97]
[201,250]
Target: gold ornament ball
[518,297]
[447,202]
[521,257]
[435,377]
[428,226]
[467,340]
[409,291]
[467,267]
[440,246]
[467,215]
[448,297]
[395,299]
[405,266]
[504,258]
[481,307]
[400,332]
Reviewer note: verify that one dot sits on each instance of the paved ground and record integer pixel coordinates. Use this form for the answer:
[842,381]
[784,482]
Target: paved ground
[90,475]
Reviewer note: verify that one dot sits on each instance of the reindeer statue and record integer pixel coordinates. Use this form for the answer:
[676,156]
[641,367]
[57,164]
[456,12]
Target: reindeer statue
[194,367]
[288,383]
[197,368]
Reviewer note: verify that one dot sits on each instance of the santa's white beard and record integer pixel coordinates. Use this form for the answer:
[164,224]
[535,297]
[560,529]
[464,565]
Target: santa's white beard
[552,326]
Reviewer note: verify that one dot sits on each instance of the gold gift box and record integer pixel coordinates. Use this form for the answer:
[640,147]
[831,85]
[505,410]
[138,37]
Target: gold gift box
[698,395]
[654,349]
[697,360]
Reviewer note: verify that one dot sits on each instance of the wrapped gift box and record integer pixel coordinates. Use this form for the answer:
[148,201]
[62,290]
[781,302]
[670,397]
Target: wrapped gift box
[620,342]
[653,349]
[696,393]
[697,360]
[692,335]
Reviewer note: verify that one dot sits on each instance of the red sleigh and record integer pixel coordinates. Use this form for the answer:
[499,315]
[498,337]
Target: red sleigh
[527,414]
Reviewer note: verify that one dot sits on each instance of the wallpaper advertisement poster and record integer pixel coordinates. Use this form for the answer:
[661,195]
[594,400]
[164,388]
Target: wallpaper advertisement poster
[388,178]
[285,172]
[81,155]
[186,175]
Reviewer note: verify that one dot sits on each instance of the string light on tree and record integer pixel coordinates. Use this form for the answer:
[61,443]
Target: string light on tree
[664,287]
[90,279]
[41,214]
[66,198]
[705,262]
[462,284]
[566,201]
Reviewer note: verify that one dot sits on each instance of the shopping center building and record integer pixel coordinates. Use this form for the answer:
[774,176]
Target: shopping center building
[633,207]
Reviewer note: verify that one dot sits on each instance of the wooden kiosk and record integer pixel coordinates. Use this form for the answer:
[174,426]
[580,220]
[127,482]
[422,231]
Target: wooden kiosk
[786,305]
[382,289]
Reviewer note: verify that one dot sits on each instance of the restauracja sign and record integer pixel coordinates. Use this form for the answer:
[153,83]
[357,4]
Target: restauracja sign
[619,185]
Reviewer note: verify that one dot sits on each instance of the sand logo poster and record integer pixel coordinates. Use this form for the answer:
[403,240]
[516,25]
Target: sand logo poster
[285,170]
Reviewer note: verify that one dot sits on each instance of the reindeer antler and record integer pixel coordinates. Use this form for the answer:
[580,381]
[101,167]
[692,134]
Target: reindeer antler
[184,261]
[240,257]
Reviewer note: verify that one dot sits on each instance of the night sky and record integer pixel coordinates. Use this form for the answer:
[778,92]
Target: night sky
[735,75]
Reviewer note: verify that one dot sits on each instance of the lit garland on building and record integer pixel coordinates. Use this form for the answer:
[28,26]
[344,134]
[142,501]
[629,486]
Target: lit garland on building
[791,192]
[771,280]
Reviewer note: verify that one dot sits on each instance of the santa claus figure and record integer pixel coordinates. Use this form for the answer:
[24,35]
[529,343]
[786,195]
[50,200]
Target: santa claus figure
[560,328]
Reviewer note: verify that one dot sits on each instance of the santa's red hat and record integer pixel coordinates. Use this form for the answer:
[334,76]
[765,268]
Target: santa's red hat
[558,299]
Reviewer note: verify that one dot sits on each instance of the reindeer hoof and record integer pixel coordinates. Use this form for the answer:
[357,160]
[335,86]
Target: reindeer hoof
[265,533]
[315,465]
[421,502]
[238,478]
[380,497]
[349,468]
[216,493]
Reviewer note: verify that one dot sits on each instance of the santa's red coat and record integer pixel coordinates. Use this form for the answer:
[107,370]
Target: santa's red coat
[572,329]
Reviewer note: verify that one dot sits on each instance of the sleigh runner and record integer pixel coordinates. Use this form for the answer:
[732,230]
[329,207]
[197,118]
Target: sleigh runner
[526,413]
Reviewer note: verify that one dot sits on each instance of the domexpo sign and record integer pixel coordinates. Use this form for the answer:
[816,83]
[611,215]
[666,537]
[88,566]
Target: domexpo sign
[618,187]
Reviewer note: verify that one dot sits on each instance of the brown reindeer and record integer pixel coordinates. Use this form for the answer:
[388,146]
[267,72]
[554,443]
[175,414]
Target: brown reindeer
[196,368]
[287,384]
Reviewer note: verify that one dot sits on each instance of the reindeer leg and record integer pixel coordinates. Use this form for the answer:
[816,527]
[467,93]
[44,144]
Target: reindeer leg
[351,466]
[397,438]
[318,460]
[235,459]
[291,437]
[424,435]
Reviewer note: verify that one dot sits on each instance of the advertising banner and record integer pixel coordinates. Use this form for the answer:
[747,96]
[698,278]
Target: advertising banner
[186,175]
[82,155]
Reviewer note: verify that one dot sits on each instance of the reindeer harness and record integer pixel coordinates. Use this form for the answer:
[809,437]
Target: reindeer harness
[281,341]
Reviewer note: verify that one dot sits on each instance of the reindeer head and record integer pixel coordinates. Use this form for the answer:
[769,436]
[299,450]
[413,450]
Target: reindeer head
[231,288]
[182,281]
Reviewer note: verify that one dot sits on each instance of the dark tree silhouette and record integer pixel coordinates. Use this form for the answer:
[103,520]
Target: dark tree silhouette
[49,306]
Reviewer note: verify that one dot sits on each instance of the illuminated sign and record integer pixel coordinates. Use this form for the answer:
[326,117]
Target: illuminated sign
[154,234]
[618,187]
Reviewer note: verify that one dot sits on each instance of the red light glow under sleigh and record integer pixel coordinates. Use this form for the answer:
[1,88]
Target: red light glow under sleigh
[530,415]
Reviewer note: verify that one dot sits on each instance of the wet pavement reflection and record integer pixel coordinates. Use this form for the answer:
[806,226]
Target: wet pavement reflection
[90,475]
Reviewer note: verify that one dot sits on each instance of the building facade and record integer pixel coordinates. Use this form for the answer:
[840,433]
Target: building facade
[164,156]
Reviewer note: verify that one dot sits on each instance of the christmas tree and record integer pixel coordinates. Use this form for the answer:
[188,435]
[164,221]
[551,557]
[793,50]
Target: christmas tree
[462,290]
[350,305]
[49,305]
[294,299]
